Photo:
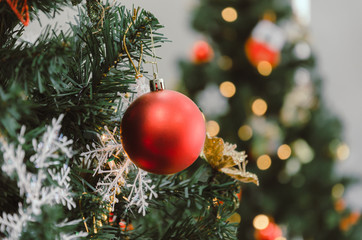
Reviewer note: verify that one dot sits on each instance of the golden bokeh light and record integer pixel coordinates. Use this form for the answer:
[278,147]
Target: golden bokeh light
[259,107]
[280,238]
[263,162]
[245,132]
[261,222]
[227,89]
[212,127]
[338,190]
[284,152]
[104,137]
[229,14]
[270,16]
[342,152]
[225,63]
[264,68]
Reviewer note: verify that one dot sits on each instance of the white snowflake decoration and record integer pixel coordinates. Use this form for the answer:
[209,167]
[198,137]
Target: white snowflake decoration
[31,185]
[66,236]
[116,174]
[138,194]
[139,88]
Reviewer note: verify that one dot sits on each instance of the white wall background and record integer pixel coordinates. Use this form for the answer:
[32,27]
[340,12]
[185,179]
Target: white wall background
[336,35]
[176,17]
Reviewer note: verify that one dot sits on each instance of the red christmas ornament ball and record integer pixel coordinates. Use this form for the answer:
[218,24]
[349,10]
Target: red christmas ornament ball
[257,51]
[163,132]
[202,52]
[271,232]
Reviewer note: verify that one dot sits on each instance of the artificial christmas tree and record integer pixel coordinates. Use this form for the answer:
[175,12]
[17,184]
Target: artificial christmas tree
[67,170]
[273,108]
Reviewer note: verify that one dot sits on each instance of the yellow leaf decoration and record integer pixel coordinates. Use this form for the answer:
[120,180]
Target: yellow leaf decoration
[223,157]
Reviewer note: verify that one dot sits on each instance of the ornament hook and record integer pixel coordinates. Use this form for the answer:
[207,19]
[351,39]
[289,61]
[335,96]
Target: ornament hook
[156,84]
[138,73]
[154,62]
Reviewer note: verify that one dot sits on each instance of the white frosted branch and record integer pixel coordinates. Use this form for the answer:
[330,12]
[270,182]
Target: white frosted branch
[33,186]
[77,235]
[138,195]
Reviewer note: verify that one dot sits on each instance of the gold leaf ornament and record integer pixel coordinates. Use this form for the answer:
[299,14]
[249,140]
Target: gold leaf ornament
[223,157]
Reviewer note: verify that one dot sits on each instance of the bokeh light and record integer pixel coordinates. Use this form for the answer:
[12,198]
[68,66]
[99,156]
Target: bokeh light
[264,68]
[259,107]
[261,222]
[212,103]
[225,63]
[229,14]
[104,137]
[302,76]
[292,166]
[280,238]
[270,16]
[212,127]
[245,132]
[302,50]
[227,89]
[338,190]
[263,162]
[302,151]
[342,152]
[284,152]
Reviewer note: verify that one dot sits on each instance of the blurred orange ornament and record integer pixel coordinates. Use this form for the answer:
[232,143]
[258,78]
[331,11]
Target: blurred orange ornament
[265,44]
[340,205]
[271,232]
[20,9]
[239,194]
[202,52]
[125,227]
[347,222]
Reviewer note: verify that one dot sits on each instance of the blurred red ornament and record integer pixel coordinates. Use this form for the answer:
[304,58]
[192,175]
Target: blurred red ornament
[111,217]
[163,132]
[265,44]
[202,52]
[258,51]
[271,232]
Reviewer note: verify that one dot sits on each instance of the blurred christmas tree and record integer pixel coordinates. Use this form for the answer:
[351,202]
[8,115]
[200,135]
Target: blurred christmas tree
[255,79]
[65,174]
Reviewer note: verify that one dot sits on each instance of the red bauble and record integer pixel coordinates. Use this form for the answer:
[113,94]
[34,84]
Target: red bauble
[257,51]
[271,232]
[202,52]
[163,132]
